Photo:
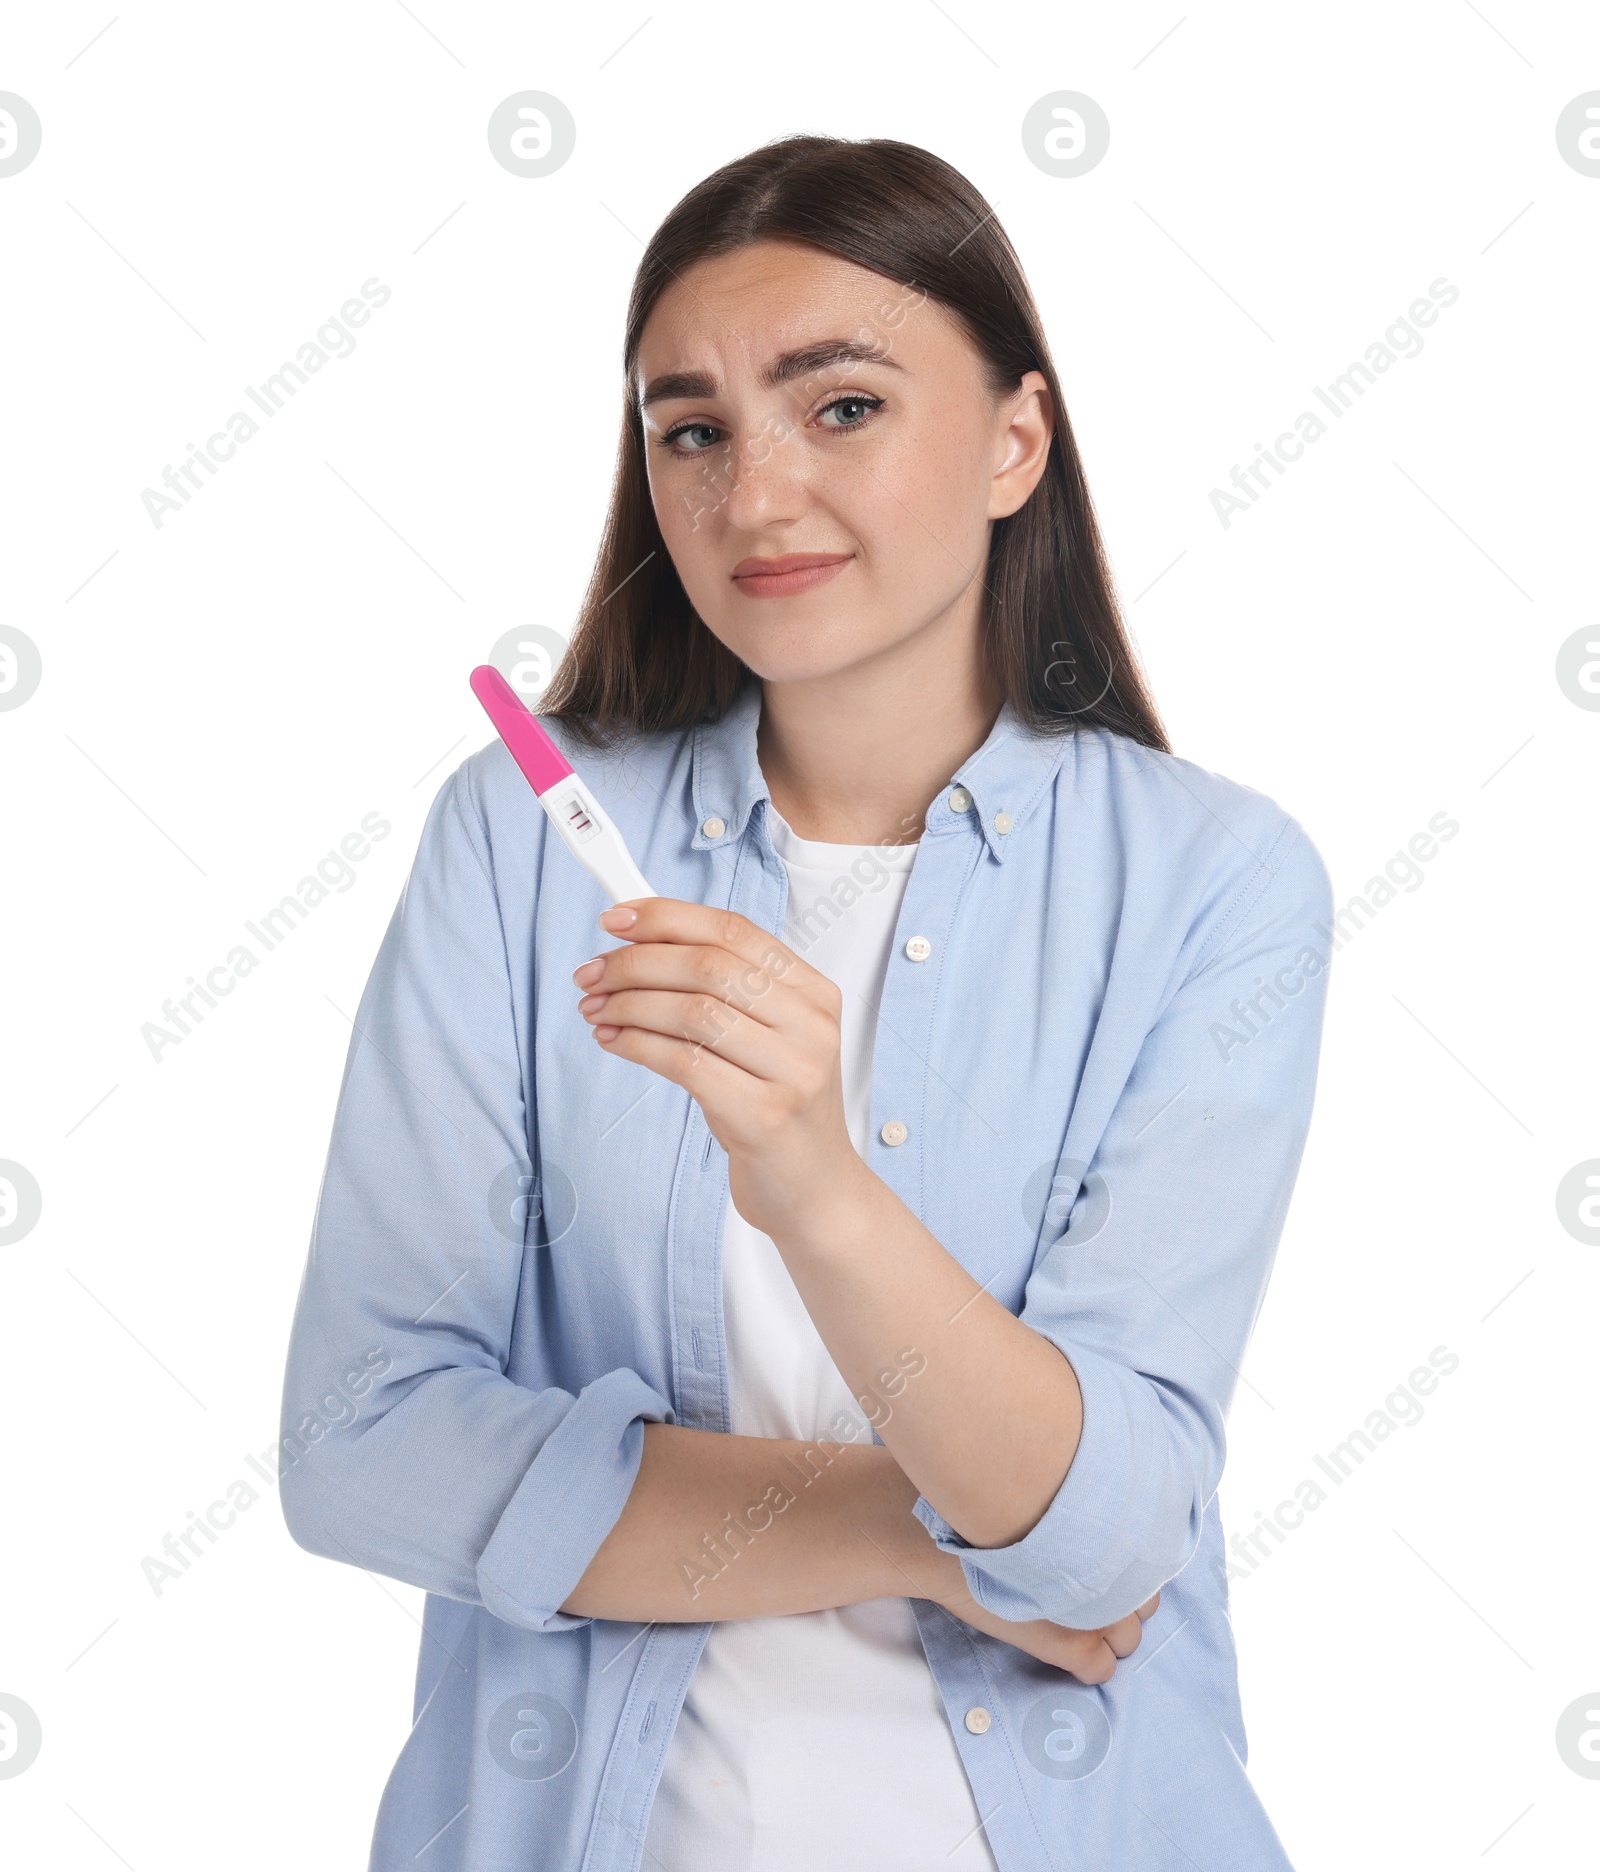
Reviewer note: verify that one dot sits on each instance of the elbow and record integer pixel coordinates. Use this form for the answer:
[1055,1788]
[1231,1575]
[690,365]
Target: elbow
[1128,1569]
[1127,1519]
[1141,1577]
[320,1490]
[1150,1545]
[304,1510]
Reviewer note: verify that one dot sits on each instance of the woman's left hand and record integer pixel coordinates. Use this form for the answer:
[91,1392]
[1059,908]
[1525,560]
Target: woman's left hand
[719,1006]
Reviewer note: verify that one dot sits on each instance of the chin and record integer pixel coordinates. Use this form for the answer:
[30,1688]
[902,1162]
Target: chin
[798,651]
[794,664]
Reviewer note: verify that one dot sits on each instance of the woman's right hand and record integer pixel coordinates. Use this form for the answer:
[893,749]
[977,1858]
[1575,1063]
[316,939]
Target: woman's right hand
[1090,1656]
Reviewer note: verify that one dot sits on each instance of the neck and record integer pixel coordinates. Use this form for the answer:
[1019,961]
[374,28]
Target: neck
[855,758]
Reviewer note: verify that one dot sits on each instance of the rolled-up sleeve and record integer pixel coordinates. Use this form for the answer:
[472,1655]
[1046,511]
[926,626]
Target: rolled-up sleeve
[1153,1289]
[405,1448]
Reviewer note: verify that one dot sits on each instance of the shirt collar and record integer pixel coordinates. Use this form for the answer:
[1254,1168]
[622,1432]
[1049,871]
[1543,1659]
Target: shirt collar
[1004,779]
[726,777]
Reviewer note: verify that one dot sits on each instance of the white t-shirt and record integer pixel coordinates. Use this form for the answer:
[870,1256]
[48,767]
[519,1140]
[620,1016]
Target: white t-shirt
[818,1739]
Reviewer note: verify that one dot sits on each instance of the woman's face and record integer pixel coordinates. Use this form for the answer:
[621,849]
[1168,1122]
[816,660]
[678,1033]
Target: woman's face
[822,509]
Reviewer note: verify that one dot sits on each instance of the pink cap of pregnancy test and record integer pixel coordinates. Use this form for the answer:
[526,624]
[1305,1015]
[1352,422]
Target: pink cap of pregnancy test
[531,748]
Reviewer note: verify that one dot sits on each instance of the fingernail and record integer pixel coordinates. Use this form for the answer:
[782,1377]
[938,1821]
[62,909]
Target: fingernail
[592,1004]
[618,919]
[606,1033]
[590,973]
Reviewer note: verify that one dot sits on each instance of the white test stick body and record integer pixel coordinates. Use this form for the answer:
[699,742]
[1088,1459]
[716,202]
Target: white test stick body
[587,831]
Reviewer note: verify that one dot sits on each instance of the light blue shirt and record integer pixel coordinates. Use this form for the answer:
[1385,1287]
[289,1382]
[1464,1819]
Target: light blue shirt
[1104,1068]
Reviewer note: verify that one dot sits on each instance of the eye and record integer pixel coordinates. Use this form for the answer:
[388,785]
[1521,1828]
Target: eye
[856,409]
[708,430]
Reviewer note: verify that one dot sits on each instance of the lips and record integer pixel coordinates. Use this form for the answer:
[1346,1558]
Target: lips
[793,572]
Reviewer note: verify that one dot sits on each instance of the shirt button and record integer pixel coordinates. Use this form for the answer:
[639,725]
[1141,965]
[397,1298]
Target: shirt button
[960,799]
[978,1721]
[894,1132]
[1002,822]
[918,948]
[713,828]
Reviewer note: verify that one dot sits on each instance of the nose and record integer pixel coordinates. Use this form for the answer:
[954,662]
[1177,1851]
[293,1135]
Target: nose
[766,485]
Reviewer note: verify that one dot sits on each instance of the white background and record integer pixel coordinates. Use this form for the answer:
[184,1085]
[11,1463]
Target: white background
[225,697]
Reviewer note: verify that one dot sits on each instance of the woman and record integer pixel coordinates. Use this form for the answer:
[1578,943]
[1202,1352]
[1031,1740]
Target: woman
[792,1346]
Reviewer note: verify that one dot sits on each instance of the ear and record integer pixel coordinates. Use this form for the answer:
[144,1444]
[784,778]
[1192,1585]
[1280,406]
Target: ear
[1024,425]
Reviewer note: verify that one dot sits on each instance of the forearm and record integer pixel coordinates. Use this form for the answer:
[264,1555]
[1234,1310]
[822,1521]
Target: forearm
[988,1426]
[991,1424]
[726,1527]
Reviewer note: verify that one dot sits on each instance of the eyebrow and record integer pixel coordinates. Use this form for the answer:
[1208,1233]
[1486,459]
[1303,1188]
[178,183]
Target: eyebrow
[782,369]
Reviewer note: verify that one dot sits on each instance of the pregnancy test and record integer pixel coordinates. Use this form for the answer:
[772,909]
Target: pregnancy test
[585,828]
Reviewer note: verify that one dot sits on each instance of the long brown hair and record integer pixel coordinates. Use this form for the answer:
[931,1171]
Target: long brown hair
[641,659]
